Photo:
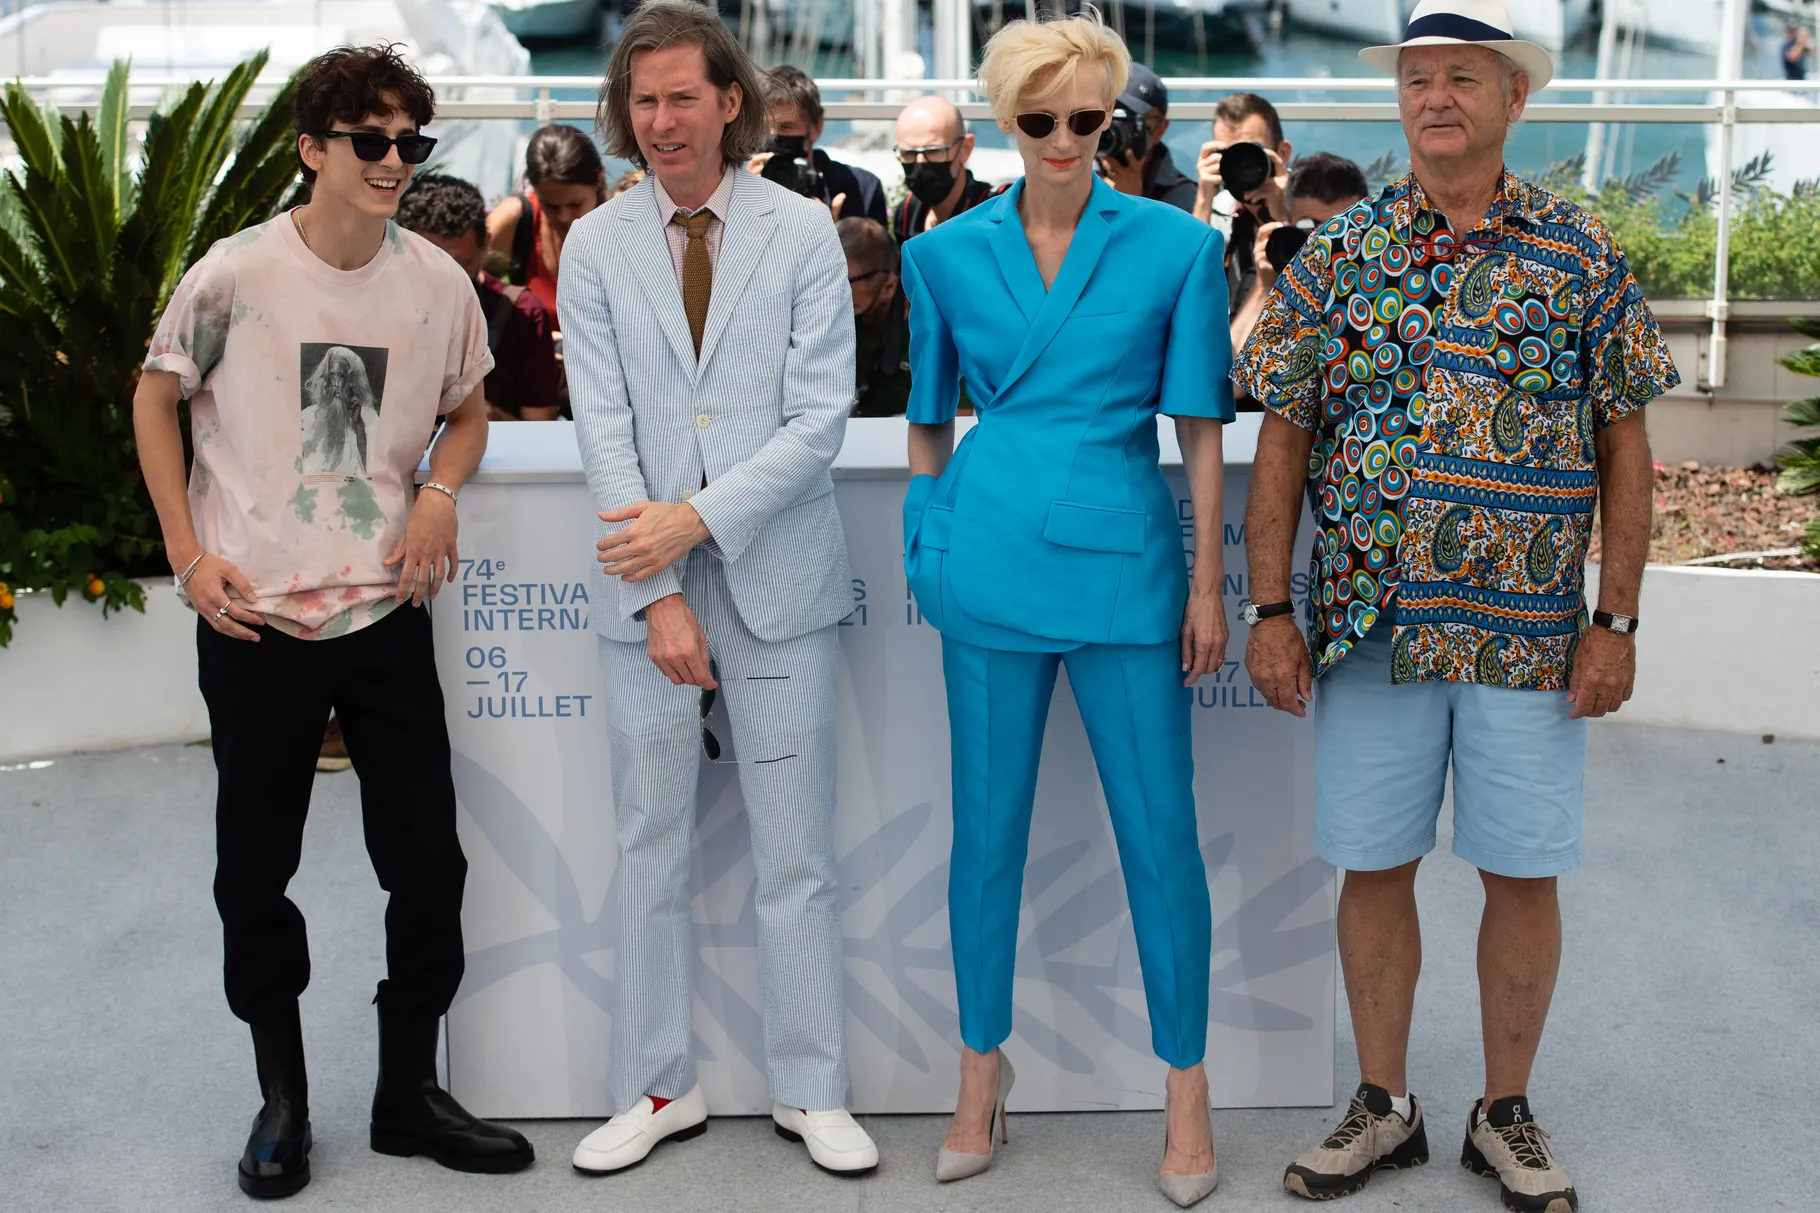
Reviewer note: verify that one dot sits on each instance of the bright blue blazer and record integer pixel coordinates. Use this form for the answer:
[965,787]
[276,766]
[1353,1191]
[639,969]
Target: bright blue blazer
[1052,526]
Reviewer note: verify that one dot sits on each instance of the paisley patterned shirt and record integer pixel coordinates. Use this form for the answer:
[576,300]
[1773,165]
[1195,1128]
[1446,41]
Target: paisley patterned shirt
[1454,387]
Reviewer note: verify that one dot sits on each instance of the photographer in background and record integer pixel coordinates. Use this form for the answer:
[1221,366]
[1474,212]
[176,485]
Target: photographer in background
[1133,158]
[793,106]
[525,382]
[933,145]
[1244,183]
[881,380]
[1320,187]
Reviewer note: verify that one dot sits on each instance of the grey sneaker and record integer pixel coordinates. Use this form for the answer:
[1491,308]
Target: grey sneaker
[1518,1157]
[1371,1137]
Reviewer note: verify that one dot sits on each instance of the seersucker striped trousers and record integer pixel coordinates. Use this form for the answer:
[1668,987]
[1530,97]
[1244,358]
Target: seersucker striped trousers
[656,751]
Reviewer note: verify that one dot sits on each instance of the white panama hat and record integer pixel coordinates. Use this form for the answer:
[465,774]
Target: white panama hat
[1483,23]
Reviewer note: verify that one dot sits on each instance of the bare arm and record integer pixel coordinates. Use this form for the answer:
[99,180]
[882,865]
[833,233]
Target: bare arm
[463,442]
[160,444]
[931,446]
[211,578]
[1627,479]
[1605,663]
[427,555]
[501,224]
[1275,655]
[1204,628]
[1274,508]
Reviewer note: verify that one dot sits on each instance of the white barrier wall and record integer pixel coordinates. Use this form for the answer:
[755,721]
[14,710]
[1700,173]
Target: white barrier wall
[528,1035]
[74,680]
[1737,650]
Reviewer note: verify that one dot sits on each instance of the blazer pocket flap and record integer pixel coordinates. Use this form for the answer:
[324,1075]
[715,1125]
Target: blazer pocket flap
[1094,527]
[938,525]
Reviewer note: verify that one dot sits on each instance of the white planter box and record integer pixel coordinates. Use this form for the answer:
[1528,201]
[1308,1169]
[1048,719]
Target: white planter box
[73,680]
[1737,650]
[1726,649]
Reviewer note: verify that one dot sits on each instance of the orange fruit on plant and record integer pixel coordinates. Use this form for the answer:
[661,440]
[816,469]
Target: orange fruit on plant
[96,588]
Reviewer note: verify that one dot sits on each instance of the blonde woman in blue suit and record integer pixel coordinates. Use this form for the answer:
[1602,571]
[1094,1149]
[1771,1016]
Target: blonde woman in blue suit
[1075,314]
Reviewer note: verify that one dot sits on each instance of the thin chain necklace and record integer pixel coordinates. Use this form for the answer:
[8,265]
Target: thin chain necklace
[298,224]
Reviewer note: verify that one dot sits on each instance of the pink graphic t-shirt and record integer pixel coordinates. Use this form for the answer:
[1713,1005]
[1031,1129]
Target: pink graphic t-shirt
[313,392]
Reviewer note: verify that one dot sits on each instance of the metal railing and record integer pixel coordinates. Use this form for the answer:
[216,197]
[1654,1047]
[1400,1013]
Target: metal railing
[1725,104]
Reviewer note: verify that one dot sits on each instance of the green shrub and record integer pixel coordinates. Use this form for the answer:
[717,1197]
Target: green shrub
[1800,459]
[93,239]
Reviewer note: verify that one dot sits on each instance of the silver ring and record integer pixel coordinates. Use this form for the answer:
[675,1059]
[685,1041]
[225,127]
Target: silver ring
[223,611]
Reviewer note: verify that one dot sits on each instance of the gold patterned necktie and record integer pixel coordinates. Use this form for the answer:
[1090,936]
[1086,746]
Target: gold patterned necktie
[698,272]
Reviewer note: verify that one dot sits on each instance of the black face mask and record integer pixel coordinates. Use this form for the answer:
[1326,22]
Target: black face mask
[928,181]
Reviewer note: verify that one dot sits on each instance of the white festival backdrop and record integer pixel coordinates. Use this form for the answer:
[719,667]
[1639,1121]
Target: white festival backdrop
[528,1034]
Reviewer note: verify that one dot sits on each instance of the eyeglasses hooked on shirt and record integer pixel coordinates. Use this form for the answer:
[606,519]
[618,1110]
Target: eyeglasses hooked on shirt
[1443,247]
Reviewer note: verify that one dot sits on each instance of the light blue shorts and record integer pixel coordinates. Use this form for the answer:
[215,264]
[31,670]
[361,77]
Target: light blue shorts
[1381,755]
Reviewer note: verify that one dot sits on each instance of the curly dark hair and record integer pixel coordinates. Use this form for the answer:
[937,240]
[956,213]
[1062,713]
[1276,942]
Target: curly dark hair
[351,83]
[443,206]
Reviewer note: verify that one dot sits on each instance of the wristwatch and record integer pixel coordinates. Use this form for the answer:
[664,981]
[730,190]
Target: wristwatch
[1623,625]
[1254,614]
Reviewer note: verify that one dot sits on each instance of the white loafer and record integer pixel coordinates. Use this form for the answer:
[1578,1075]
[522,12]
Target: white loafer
[835,1140]
[626,1139]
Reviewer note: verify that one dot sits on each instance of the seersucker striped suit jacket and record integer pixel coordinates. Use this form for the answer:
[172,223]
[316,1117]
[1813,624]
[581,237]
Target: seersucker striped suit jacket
[760,415]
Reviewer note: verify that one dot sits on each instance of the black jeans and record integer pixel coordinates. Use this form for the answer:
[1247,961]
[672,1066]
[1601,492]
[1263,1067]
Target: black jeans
[268,703]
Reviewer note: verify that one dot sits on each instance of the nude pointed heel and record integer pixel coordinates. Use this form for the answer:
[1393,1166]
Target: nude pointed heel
[1186,1190]
[951,1165]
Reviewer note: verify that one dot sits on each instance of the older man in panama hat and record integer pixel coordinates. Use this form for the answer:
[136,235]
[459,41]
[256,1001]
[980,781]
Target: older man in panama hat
[1456,372]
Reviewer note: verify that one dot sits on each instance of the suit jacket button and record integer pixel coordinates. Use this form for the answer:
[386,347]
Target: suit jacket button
[702,421]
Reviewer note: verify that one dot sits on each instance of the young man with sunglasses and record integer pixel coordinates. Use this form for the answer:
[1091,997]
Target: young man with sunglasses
[317,351]
[1456,371]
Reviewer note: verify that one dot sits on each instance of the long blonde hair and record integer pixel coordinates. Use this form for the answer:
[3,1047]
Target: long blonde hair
[1030,60]
[339,389]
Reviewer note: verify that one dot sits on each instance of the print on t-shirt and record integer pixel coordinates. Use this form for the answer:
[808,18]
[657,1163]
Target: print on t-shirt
[342,388]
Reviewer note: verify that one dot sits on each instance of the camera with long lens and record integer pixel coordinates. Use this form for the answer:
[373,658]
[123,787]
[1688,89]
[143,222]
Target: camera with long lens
[1282,245]
[792,167]
[1126,134]
[1244,167]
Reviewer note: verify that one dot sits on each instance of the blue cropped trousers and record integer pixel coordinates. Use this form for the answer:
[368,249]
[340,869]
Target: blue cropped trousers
[1136,711]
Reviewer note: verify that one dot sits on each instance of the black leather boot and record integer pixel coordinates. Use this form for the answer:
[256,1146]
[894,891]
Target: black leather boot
[412,1115]
[277,1158]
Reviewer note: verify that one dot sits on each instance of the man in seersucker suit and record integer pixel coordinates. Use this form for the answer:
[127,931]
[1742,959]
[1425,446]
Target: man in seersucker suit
[709,339]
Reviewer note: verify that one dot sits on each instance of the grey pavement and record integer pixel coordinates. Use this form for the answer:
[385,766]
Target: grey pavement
[1678,1072]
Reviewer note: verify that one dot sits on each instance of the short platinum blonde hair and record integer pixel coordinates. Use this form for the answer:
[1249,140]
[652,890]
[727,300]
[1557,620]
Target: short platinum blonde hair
[1030,60]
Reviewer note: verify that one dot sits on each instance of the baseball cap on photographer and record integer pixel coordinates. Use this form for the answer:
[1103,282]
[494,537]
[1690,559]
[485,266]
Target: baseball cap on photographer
[1483,23]
[1144,91]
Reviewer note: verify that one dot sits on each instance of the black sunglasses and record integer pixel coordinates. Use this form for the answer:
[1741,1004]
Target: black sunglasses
[1039,125]
[710,744]
[372,146]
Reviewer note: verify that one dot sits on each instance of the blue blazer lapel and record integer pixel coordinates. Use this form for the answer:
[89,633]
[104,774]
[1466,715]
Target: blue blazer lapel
[1090,237]
[748,231]
[647,251]
[1013,253]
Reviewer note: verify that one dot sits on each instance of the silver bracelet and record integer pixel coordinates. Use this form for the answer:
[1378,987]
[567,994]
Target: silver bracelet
[441,488]
[183,578]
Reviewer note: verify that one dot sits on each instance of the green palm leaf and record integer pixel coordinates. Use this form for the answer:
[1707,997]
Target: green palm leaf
[90,249]
[1803,412]
[1803,362]
[110,126]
